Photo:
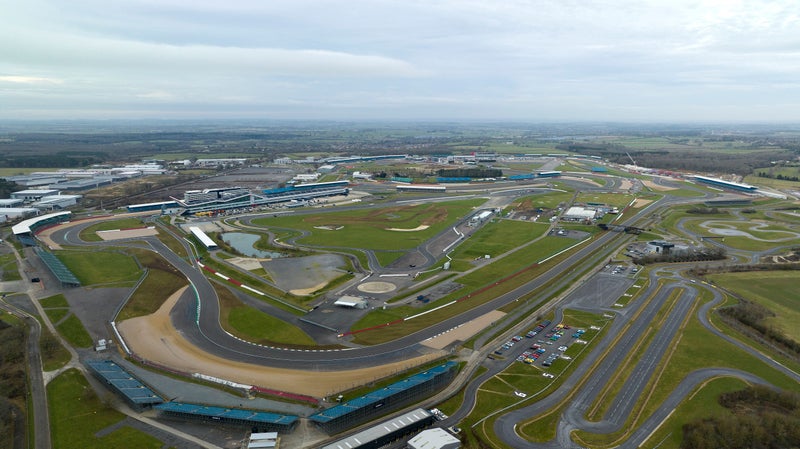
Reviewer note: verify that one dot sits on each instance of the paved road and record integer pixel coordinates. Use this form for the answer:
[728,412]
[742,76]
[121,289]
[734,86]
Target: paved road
[41,415]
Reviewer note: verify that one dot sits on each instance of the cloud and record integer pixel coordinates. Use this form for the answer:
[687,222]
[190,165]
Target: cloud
[516,59]
[20,79]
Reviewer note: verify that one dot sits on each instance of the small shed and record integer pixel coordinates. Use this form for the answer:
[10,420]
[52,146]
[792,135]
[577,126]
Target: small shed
[353,302]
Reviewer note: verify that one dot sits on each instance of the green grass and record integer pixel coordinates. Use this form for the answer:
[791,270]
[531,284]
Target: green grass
[619,200]
[776,235]
[254,325]
[368,228]
[259,327]
[702,403]
[521,264]
[151,294]
[58,300]
[89,234]
[8,268]
[494,238]
[55,315]
[100,267]
[77,414]
[54,354]
[73,331]
[776,290]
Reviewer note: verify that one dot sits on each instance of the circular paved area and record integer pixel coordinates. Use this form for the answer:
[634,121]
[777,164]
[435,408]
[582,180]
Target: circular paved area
[377,287]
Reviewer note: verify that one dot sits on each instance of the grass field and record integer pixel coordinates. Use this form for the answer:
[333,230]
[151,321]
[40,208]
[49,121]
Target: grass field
[369,228]
[497,237]
[89,234]
[762,236]
[73,331]
[702,403]
[54,354]
[8,268]
[256,326]
[776,290]
[77,414]
[151,294]
[105,268]
[56,315]
[58,300]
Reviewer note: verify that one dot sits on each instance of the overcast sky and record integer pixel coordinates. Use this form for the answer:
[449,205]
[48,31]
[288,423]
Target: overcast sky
[538,60]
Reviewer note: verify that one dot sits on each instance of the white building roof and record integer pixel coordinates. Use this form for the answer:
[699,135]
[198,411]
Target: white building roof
[579,212]
[435,438]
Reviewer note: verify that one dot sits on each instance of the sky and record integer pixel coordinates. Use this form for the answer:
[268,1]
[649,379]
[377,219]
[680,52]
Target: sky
[489,60]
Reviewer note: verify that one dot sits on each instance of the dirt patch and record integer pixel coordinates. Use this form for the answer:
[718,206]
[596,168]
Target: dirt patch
[418,228]
[377,287]
[307,291]
[638,202]
[625,184]
[659,187]
[463,332]
[246,263]
[154,338]
[119,234]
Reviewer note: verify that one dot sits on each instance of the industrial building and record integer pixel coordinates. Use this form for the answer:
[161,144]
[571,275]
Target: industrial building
[386,432]
[33,194]
[13,213]
[435,438]
[263,440]
[10,202]
[376,403]
[577,213]
[56,202]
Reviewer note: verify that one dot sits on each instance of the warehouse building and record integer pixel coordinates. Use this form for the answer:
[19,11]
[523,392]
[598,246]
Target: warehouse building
[33,194]
[436,438]
[386,432]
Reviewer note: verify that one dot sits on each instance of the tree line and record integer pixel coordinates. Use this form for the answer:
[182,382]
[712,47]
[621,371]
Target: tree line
[758,418]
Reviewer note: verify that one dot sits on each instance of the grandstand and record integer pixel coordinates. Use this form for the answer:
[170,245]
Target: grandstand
[386,432]
[379,402]
[726,184]
[421,188]
[161,206]
[548,174]
[255,420]
[59,270]
[135,393]
[24,229]
[203,237]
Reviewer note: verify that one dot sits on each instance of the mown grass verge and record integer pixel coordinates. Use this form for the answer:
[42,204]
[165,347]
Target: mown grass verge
[256,326]
[77,414]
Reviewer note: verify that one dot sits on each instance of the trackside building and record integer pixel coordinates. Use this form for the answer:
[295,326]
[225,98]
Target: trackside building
[379,402]
[255,420]
[135,393]
[386,432]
